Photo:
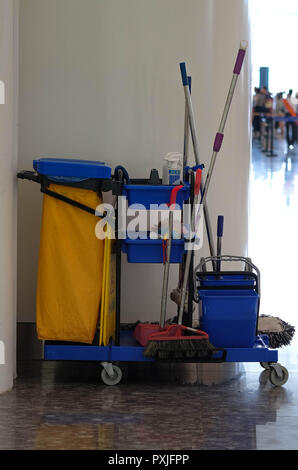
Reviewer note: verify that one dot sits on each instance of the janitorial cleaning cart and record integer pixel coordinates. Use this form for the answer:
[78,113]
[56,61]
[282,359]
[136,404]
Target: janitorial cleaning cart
[79,275]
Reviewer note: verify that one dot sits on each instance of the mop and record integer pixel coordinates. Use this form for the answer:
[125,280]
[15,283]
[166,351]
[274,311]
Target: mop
[175,343]
[279,332]
[190,124]
[178,295]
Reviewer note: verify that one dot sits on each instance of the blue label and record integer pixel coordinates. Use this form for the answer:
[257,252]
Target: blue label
[174,177]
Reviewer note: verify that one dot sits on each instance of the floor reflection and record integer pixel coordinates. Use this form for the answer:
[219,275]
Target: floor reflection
[274,228]
[72,410]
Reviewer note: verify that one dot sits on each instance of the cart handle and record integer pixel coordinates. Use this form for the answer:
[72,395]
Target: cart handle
[201,267]
[205,274]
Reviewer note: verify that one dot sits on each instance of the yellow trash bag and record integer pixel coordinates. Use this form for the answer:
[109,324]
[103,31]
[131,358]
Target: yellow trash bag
[70,268]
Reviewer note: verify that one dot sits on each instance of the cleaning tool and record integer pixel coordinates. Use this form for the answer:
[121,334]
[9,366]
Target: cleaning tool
[191,119]
[144,330]
[108,298]
[175,341]
[193,232]
[279,332]
[164,296]
[172,169]
[220,134]
[185,162]
[220,226]
[229,303]
[186,131]
[216,148]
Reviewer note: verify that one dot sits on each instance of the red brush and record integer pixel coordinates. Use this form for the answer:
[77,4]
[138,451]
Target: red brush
[178,342]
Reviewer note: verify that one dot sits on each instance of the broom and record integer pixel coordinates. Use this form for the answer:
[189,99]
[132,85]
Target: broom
[143,330]
[179,341]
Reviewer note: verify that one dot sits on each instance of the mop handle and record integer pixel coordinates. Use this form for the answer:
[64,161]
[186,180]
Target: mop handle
[220,134]
[197,188]
[185,162]
[194,136]
[186,132]
[166,275]
[168,260]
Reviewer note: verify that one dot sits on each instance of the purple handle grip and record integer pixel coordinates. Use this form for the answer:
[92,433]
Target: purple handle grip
[239,61]
[218,142]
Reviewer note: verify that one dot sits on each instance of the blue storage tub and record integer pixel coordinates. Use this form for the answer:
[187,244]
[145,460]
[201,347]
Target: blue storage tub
[70,168]
[147,194]
[151,251]
[230,317]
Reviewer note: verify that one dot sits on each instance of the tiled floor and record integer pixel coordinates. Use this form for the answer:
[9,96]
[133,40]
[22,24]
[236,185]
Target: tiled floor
[64,406]
[55,406]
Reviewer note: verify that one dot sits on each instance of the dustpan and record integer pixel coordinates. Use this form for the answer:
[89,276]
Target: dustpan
[143,331]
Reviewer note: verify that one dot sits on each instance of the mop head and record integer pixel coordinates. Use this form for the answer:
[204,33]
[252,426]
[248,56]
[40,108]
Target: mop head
[177,342]
[279,332]
[176,297]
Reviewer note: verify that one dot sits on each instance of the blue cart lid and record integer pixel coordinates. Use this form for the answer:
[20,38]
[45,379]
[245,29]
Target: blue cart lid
[70,168]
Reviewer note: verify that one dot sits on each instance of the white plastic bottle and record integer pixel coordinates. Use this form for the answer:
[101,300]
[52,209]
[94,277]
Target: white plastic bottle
[172,169]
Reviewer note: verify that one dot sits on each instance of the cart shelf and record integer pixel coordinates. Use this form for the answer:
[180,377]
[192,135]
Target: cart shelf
[130,351]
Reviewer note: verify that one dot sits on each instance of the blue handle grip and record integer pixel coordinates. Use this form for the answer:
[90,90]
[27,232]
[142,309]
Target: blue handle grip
[189,83]
[183,74]
[220,225]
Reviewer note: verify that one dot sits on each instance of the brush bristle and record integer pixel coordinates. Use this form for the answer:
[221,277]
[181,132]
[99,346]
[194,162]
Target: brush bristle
[179,349]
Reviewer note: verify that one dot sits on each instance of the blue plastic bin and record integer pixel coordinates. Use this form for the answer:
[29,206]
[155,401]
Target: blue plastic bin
[151,251]
[147,194]
[229,317]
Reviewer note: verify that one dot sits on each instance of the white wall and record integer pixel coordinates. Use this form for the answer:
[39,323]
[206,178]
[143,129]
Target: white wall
[99,79]
[8,169]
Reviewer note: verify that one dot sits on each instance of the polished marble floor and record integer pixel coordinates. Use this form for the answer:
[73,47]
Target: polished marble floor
[65,406]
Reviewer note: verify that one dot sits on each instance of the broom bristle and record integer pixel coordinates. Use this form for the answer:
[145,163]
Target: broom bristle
[178,349]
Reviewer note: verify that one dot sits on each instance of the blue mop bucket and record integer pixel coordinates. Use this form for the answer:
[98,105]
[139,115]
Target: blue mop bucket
[230,317]
[229,304]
